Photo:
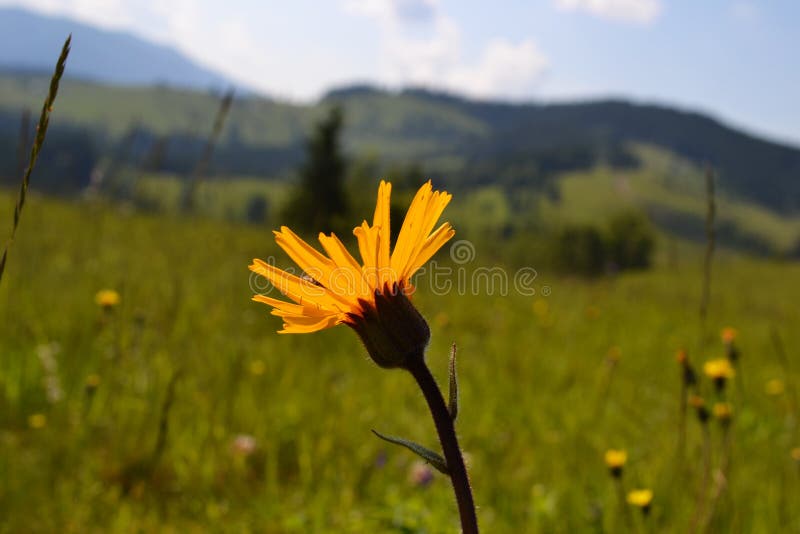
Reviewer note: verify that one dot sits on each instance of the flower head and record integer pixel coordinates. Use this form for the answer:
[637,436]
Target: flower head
[615,460]
[372,297]
[719,371]
[728,335]
[641,498]
[106,298]
[92,383]
[723,411]
[774,387]
[37,420]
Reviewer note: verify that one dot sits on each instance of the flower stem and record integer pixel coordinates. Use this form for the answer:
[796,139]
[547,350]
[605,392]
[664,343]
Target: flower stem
[449,441]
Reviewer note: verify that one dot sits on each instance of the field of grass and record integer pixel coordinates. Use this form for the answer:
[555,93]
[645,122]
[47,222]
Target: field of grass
[548,383]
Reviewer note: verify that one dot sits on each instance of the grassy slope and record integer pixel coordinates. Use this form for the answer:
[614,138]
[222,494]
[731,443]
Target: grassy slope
[532,419]
[379,123]
[664,184]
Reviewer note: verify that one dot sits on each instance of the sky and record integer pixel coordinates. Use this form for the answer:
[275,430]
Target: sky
[734,59]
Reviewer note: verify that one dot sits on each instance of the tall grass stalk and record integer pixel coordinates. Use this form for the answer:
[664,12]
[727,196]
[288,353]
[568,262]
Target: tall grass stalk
[711,211]
[41,132]
[791,390]
[24,140]
[200,168]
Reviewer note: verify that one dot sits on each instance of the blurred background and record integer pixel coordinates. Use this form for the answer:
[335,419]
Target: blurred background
[141,390]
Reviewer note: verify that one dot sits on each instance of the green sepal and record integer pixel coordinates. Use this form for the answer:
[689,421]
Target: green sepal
[433,458]
[452,405]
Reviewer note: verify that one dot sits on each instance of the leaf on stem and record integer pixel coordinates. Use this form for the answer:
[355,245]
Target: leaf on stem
[432,457]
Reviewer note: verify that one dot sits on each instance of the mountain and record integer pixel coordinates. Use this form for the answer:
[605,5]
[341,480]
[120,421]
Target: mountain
[464,143]
[30,41]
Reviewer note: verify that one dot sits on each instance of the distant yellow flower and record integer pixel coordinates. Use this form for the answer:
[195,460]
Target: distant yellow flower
[371,297]
[92,381]
[720,368]
[774,387]
[641,498]
[719,371]
[723,411]
[795,454]
[615,460]
[37,420]
[614,354]
[107,298]
[681,356]
[728,335]
[257,367]
[541,308]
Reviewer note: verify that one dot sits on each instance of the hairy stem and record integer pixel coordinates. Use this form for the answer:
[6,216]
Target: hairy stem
[447,437]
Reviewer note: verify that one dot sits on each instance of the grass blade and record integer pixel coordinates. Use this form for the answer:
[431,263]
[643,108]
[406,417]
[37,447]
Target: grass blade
[41,132]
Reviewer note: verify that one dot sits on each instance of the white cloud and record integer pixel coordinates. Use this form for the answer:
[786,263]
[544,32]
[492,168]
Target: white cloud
[504,69]
[426,50]
[631,11]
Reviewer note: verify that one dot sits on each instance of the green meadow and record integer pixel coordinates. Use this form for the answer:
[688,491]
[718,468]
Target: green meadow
[181,410]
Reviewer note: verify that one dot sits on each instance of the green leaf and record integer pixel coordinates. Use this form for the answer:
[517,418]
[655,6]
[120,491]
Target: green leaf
[433,458]
[452,405]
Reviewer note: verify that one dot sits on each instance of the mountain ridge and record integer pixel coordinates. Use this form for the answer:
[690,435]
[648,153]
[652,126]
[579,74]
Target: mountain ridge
[30,40]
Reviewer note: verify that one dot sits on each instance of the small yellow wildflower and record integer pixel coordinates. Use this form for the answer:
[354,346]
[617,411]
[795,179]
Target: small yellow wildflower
[719,371]
[720,368]
[92,381]
[796,454]
[107,298]
[257,367]
[723,411]
[774,387]
[541,308]
[641,498]
[37,420]
[615,460]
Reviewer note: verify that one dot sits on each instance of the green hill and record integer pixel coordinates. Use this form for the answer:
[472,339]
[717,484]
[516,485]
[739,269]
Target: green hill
[461,142]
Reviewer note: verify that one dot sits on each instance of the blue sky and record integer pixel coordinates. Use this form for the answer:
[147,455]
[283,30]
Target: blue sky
[736,59]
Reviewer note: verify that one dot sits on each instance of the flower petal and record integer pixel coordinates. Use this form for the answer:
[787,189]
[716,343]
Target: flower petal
[435,241]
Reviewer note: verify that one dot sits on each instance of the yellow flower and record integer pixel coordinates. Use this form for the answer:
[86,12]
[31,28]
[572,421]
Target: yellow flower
[541,308]
[372,296]
[106,298]
[257,367]
[641,498]
[723,411]
[774,387]
[615,460]
[795,454]
[728,335]
[718,369]
[37,420]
